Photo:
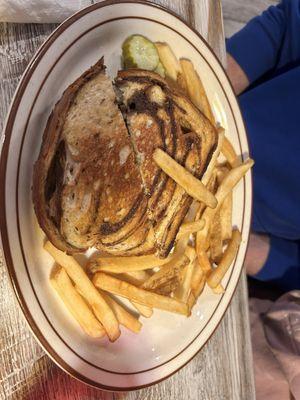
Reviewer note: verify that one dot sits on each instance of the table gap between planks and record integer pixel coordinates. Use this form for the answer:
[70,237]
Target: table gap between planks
[222,370]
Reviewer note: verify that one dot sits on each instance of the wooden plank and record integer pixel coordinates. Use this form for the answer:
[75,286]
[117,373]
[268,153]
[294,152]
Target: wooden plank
[231,27]
[178,6]
[243,11]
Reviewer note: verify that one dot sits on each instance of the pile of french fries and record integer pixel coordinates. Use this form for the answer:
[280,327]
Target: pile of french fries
[206,244]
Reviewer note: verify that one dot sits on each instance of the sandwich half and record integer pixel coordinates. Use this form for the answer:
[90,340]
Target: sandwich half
[87,189]
[159,116]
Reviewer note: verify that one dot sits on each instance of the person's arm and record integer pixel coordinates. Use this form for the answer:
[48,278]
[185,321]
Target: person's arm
[236,75]
[258,47]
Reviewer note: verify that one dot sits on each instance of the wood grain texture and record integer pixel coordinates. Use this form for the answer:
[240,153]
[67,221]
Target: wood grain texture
[238,12]
[222,370]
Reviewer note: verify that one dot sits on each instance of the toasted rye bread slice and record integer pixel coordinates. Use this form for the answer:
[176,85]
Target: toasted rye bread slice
[159,116]
[87,190]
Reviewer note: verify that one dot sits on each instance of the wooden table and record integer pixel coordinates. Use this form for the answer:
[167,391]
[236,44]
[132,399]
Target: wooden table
[222,370]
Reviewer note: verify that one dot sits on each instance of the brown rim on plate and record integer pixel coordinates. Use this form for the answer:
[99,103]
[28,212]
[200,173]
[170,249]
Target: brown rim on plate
[8,130]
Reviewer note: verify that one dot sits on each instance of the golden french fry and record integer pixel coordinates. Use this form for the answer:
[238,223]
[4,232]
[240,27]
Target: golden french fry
[204,262]
[213,162]
[198,274]
[190,252]
[190,227]
[123,316]
[184,289]
[167,273]
[226,208]
[226,217]
[193,186]
[168,60]
[219,289]
[145,311]
[196,89]
[229,153]
[197,286]
[75,303]
[124,289]
[217,274]
[211,186]
[118,265]
[206,268]
[99,306]
[136,278]
[181,245]
[181,82]
[215,238]
[221,171]
[228,183]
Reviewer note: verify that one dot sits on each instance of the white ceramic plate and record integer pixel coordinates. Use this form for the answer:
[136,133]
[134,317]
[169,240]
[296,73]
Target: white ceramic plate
[167,341]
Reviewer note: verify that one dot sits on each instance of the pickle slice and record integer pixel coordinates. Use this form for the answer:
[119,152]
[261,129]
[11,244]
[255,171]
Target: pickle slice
[140,52]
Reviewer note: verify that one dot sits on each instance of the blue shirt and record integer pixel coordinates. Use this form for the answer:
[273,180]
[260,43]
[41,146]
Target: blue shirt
[268,50]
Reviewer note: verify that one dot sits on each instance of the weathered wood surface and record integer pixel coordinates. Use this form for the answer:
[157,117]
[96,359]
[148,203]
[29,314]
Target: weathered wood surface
[222,370]
[237,12]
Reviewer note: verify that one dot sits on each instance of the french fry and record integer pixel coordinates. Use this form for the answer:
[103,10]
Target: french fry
[193,186]
[229,153]
[204,262]
[181,82]
[212,164]
[167,272]
[206,268]
[215,238]
[198,274]
[181,245]
[217,274]
[184,289]
[211,186]
[99,306]
[195,89]
[226,217]
[226,208]
[228,183]
[76,305]
[197,286]
[118,265]
[168,60]
[124,289]
[219,289]
[136,278]
[190,227]
[190,252]
[145,311]
[123,316]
